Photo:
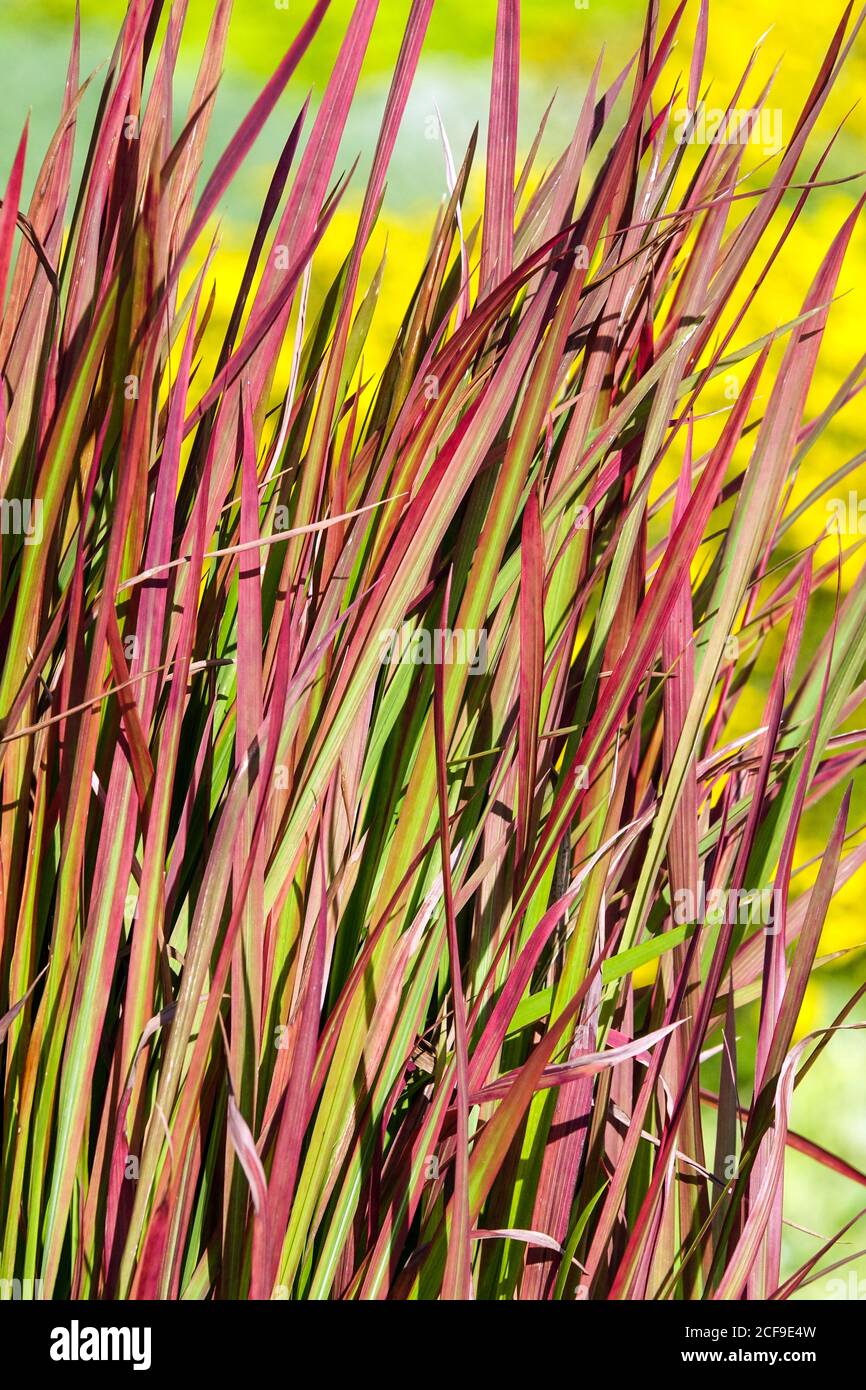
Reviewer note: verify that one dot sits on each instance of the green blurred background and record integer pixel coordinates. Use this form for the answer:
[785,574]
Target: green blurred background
[560,44]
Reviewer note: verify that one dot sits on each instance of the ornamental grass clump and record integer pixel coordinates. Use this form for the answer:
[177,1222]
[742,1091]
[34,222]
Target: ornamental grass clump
[386,867]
